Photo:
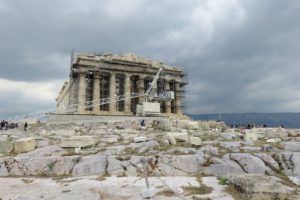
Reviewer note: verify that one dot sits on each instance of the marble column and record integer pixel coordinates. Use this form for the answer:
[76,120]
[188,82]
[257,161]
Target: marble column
[168,103]
[112,93]
[178,100]
[82,93]
[96,93]
[141,89]
[127,94]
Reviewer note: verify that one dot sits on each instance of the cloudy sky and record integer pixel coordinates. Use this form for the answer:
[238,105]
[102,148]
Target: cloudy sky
[240,55]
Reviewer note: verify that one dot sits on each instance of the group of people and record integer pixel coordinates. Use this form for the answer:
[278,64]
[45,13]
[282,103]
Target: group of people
[5,125]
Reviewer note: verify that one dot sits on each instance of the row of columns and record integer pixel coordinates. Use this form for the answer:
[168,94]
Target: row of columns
[112,90]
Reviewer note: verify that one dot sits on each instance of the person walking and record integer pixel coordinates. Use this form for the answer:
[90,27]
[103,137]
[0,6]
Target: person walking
[2,124]
[25,126]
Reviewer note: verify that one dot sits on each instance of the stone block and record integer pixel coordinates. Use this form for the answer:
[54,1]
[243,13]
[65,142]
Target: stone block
[6,147]
[78,141]
[273,140]
[180,136]
[24,145]
[195,141]
[171,139]
[140,139]
[250,135]
[192,125]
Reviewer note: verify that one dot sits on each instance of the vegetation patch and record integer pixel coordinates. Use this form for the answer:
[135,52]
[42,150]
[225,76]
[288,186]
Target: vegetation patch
[51,165]
[130,151]
[103,176]
[166,193]
[223,181]
[199,198]
[192,190]
[26,180]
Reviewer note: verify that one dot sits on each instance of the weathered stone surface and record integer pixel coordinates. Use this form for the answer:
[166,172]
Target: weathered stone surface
[89,165]
[249,163]
[225,168]
[6,147]
[24,145]
[178,165]
[192,125]
[250,135]
[230,145]
[291,146]
[195,141]
[295,163]
[171,139]
[273,140]
[180,136]
[256,186]
[140,139]
[182,124]
[37,166]
[246,148]
[295,179]
[164,125]
[144,146]
[181,150]
[268,159]
[210,150]
[229,136]
[42,152]
[78,141]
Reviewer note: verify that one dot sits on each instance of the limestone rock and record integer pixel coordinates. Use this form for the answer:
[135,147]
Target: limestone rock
[178,165]
[192,125]
[181,150]
[230,136]
[140,139]
[180,136]
[182,124]
[295,159]
[224,169]
[249,149]
[210,150]
[249,163]
[268,159]
[90,165]
[295,179]
[78,141]
[24,145]
[250,135]
[171,138]
[256,186]
[37,166]
[273,140]
[291,146]
[144,146]
[164,125]
[230,145]
[195,141]
[6,147]
[42,152]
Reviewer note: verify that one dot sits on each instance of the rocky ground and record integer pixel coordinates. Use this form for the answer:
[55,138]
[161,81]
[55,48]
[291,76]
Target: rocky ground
[184,160]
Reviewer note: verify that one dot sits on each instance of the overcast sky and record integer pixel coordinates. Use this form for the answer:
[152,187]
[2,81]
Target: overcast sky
[240,55]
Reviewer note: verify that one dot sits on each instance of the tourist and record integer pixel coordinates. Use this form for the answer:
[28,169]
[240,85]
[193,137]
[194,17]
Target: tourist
[2,125]
[25,126]
[142,123]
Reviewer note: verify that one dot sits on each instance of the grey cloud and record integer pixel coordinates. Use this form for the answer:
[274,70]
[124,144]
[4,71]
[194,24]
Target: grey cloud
[226,47]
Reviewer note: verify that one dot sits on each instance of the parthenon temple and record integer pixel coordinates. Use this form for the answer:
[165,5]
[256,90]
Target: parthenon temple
[114,84]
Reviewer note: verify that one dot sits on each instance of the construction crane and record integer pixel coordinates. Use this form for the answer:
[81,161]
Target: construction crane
[151,106]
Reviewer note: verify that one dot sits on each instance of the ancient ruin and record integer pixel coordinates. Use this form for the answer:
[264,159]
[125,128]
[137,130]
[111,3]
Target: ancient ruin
[121,84]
